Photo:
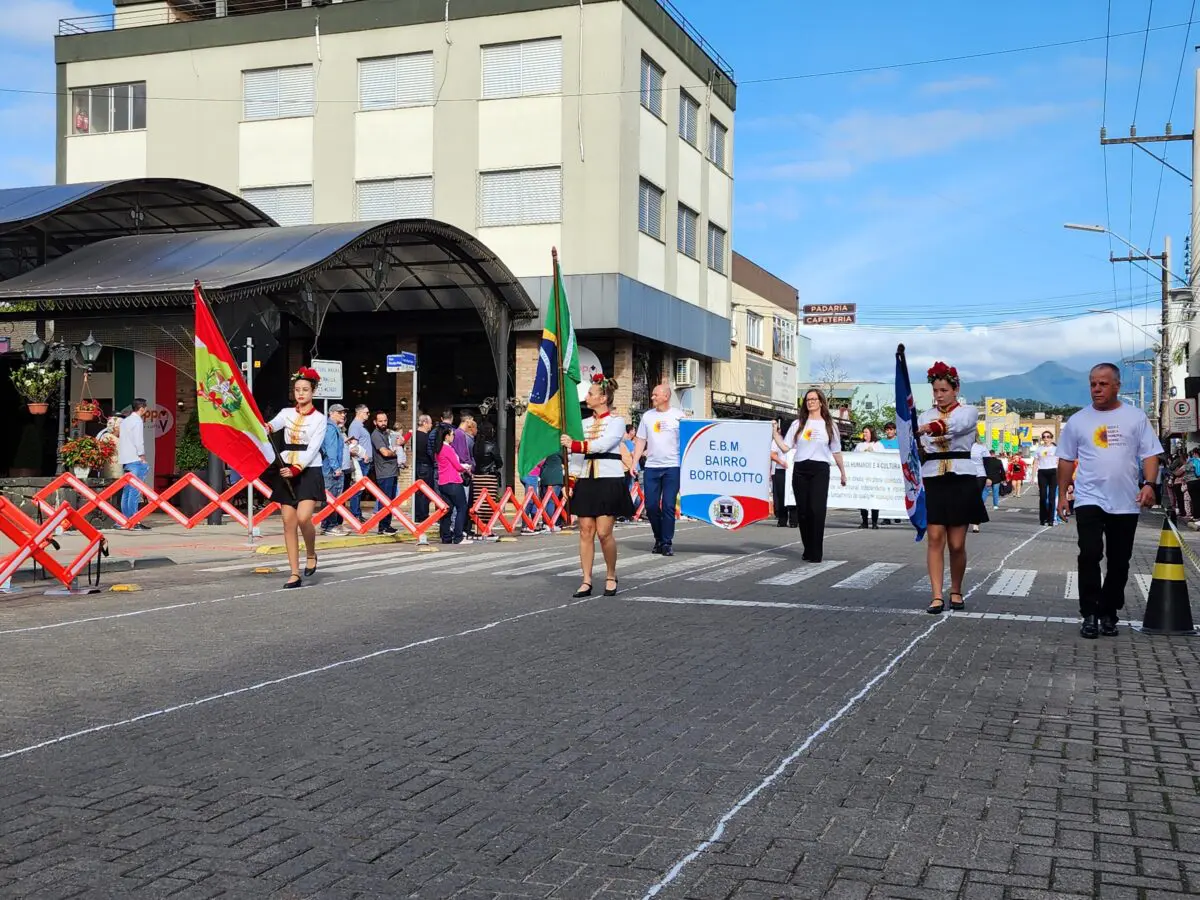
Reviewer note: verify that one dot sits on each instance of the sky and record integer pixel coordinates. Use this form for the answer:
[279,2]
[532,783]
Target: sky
[930,193]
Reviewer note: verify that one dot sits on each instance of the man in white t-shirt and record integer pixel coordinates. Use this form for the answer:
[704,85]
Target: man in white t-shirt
[131,454]
[1045,457]
[658,437]
[1111,441]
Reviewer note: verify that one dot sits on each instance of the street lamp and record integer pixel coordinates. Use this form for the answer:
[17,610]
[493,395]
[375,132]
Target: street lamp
[89,350]
[1100,229]
[1130,323]
[63,354]
[34,350]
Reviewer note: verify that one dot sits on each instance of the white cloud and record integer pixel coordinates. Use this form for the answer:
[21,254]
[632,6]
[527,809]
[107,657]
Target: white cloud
[958,85]
[36,21]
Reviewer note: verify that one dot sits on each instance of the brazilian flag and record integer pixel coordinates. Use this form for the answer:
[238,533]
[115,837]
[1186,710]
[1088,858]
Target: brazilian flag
[553,405]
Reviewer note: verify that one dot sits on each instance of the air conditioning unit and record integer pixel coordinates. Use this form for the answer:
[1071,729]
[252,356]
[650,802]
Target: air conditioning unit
[687,372]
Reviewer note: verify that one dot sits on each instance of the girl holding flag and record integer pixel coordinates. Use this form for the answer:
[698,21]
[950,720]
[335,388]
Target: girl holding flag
[297,485]
[952,497]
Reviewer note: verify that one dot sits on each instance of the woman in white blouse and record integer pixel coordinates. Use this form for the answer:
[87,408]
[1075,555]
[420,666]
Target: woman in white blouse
[814,438]
[868,444]
[599,495]
[952,497]
[298,485]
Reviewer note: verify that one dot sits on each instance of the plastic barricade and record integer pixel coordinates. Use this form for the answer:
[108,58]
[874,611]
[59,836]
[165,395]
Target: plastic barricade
[32,538]
[384,506]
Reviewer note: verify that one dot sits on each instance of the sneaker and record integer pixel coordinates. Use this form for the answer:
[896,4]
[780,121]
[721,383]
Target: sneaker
[140,527]
[1108,625]
[1089,628]
[658,548]
[667,550]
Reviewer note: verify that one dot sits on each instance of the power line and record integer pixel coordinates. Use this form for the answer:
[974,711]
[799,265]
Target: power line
[1187,39]
[1142,71]
[1104,157]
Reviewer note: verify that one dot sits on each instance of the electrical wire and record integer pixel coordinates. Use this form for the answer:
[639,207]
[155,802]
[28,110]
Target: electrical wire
[1104,157]
[1142,70]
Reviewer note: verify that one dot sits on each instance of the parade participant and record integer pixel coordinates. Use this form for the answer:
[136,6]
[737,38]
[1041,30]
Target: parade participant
[1046,459]
[952,496]
[1016,474]
[599,494]
[889,439]
[658,438]
[1111,441]
[993,468]
[979,454]
[814,438]
[868,444]
[298,485]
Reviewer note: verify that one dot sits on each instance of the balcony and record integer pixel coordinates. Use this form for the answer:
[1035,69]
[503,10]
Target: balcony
[170,12]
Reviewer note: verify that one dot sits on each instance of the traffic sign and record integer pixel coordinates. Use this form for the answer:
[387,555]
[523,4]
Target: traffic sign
[330,386]
[1183,415]
[402,362]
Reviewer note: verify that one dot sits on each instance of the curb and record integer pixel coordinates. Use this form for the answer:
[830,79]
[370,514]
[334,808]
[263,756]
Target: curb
[338,543]
[111,566]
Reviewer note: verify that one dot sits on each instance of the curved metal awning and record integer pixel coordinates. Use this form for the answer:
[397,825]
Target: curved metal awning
[39,224]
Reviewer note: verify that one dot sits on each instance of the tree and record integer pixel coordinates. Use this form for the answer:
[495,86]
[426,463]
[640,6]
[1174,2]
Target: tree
[874,418]
[830,373]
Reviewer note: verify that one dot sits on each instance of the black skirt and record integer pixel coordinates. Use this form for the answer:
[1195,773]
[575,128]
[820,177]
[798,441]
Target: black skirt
[596,497]
[308,485]
[952,500]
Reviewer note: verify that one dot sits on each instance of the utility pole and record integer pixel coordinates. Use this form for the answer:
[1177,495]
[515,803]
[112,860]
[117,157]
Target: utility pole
[1163,384]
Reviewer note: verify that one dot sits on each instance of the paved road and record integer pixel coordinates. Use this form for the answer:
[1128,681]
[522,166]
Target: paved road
[736,723]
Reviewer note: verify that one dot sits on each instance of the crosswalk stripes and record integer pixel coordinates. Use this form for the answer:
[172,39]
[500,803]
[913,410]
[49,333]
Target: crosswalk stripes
[737,569]
[241,566]
[558,562]
[490,561]
[1143,581]
[805,572]
[1072,591]
[1013,583]
[624,564]
[680,565]
[870,576]
[924,587]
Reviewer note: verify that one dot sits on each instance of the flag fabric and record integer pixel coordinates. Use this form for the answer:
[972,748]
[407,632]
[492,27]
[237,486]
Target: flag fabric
[553,407]
[910,458]
[230,424]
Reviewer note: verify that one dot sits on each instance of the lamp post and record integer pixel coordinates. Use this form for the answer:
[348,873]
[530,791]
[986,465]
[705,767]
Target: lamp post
[62,354]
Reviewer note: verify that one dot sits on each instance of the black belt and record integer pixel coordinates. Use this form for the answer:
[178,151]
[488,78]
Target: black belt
[295,447]
[616,456]
[955,454]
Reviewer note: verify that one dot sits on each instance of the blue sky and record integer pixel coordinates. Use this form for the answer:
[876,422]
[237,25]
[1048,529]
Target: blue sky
[932,195]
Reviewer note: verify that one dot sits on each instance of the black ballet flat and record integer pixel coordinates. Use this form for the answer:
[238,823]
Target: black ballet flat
[293,582]
[310,571]
[607,591]
[960,605]
[937,607]
[583,591]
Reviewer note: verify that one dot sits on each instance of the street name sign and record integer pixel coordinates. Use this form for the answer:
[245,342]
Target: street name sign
[330,387]
[402,362]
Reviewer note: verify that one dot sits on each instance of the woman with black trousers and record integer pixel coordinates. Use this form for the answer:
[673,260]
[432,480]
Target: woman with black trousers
[814,437]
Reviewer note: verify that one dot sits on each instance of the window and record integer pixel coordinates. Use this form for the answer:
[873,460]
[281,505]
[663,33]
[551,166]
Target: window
[395,198]
[652,80]
[716,248]
[520,197]
[110,107]
[754,330]
[687,224]
[526,69]
[395,81]
[716,143]
[290,204]
[689,112]
[650,202]
[785,339]
[277,93]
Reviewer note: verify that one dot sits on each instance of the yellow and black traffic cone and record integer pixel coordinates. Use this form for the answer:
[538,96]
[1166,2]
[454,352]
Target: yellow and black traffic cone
[1167,608]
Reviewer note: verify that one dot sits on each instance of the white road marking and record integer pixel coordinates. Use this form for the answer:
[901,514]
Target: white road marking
[624,563]
[771,604]
[571,559]
[681,564]
[1072,591]
[924,587]
[1013,583]
[805,572]
[260,561]
[748,798]
[477,564]
[737,569]
[1143,581]
[870,576]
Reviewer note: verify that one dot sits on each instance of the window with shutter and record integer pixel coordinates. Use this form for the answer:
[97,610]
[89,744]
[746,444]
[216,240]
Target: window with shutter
[716,143]
[716,248]
[290,204]
[689,111]
[686,223]
[395,198]
[277,93]
[295,92]
[650,209]
[395,81]
[520,197]
[525,69]
[652,81]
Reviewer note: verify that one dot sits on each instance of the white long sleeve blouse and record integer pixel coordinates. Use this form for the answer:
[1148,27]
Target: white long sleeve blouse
[598,455]
[957,428]
[814,442]
[302,437]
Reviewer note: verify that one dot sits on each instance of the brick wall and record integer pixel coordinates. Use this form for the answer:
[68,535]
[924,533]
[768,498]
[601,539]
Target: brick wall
[526,369]
[623,372]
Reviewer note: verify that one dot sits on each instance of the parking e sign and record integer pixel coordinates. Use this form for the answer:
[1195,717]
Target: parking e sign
[1183,415]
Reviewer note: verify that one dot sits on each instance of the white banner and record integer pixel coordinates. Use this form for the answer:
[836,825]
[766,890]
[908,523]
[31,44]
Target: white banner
[873,481]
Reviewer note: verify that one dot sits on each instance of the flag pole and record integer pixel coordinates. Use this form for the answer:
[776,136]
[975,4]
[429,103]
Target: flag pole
[250,487]
[562,387]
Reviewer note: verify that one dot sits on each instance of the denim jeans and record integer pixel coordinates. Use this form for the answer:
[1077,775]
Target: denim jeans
[452,523]
[356,500]
[388,486]
[531,489]
[995,491]
[661,487]
[130,496]
[333,487]
[552,509]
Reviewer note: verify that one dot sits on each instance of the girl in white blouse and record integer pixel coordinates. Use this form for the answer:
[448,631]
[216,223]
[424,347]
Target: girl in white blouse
[815,439]
[952,497]
[868,444]
[599,495]
[297,485]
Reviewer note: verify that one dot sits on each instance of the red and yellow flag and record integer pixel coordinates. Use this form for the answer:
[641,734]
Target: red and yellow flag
[230,424]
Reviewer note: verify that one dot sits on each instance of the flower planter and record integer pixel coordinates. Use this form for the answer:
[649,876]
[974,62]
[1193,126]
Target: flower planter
[39,409]
[86,411]
[84,416]
[81,472]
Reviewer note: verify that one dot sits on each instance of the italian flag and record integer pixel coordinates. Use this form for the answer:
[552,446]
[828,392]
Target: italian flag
[230,424]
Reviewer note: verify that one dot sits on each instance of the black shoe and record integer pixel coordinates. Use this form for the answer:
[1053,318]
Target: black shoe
[293,582]
[667,550]
[657,547]
[610,592]
[310,571]
[1089,628]
[585,591]
[388,531]
[960,605]
[1108,625]
[863,525]
[936,607]
[140,527]
[875,525]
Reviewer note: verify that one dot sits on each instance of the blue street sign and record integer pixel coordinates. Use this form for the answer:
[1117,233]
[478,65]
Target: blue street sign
[401,362]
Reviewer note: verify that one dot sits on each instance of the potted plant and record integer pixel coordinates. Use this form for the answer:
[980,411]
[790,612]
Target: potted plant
[190,456]
[86,453]
[35,384]
[86,410]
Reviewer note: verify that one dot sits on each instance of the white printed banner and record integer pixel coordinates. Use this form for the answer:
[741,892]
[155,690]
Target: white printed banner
[873,481]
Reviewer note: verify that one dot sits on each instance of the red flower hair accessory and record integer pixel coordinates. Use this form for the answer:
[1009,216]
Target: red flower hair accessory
[598,378]
[304,373]
[939,371]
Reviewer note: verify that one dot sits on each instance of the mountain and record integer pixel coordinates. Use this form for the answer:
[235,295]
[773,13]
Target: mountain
[1050,383]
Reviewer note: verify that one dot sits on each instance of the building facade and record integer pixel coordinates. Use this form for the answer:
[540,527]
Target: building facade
[769,358]
[603,128]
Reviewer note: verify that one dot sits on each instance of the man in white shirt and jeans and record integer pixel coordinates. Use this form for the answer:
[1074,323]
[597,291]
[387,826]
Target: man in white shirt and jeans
[131,454]
[1111,441]
[658,438]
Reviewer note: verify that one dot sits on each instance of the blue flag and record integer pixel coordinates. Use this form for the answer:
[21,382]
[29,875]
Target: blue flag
[906,434]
